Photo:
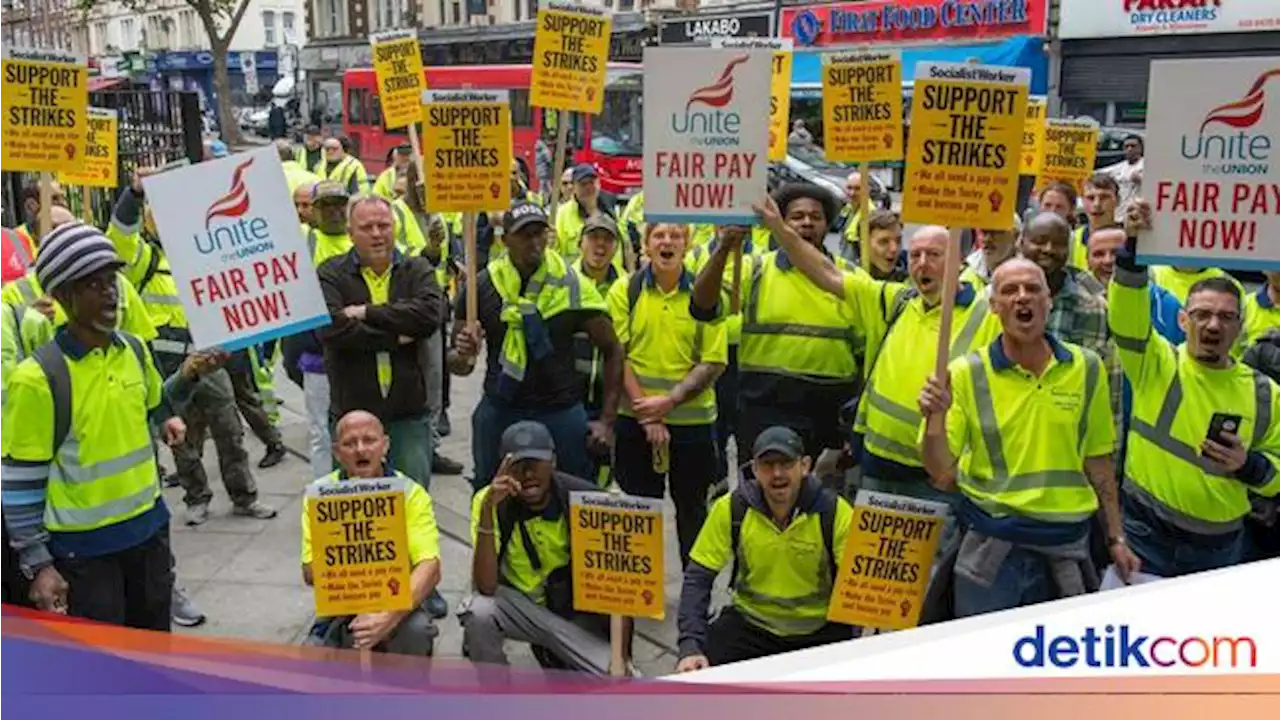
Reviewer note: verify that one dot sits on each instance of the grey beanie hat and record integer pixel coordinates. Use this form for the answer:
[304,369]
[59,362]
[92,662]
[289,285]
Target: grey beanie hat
[71,252]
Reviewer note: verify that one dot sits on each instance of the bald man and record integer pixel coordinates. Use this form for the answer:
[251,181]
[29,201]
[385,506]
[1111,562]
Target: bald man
[1023,428]
[360,446]
[850,220]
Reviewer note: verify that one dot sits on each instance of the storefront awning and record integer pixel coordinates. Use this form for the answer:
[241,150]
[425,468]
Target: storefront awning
[1028,52]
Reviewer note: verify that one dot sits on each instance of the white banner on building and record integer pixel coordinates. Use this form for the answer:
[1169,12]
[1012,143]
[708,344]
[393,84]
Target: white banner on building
[1131,18]
[238,256]
[706,133]
[1211,164]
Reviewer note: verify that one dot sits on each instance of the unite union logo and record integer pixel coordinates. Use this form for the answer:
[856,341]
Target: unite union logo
[236,201]
[1238,147]
[719,93]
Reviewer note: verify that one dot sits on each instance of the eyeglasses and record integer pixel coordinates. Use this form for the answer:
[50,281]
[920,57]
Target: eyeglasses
[1201,315]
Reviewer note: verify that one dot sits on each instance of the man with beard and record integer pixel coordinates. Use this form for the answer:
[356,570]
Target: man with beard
[1205,430]
[1029,441]
[798,357]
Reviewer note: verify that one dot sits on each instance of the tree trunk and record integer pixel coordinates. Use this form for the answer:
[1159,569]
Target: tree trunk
[222,90]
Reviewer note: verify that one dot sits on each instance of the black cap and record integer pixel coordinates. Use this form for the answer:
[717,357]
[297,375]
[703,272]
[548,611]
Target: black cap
[312,130]
[778,439]
[528,440]
[522,215]
[582,171]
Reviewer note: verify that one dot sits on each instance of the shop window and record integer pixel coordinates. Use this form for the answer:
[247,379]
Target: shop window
[1131,114]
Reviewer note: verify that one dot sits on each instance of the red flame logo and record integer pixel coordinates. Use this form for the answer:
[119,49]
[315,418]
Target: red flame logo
[719,93]
[236,202]
[996,200]
[1242,113]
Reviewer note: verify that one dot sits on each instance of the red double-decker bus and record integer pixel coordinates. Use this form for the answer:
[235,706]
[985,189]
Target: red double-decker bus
[610,140]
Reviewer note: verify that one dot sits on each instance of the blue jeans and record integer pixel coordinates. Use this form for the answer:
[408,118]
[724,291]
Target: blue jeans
[411,448]
[568,428]
[1024,578]
[1169,557]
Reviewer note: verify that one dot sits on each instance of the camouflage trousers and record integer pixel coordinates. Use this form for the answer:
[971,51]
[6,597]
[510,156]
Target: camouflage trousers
[212,411]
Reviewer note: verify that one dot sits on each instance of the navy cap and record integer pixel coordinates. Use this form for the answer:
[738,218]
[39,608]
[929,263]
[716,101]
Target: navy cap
[582,171]
[528,440]
[781,440]
[522,215]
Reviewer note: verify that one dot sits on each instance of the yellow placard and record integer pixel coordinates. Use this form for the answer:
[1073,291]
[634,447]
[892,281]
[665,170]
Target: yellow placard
[397,60]
[359,546]
[966,137]
[466,149]
[887,558]
[45,98]
[779,86]
[862,106]
[570,57]
[1069,151]
[1033,134]
[617,555]
[101,152]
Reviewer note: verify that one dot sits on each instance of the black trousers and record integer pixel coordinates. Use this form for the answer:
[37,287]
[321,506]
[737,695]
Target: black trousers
[133,587]
[692,468]
[727,413]
[731,638]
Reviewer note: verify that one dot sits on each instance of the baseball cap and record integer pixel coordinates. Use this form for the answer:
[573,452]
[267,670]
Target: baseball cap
[528,440]
[582,171]
[779,439]
[522,215]
[71,252]
[329,190]
[600,221]
[312,130]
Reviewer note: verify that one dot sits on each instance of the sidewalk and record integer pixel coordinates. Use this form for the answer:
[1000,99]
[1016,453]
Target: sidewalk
[245,574]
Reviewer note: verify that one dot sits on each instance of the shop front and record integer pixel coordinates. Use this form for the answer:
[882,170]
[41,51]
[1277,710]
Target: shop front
[1108,46]
[755,20]
[193,71]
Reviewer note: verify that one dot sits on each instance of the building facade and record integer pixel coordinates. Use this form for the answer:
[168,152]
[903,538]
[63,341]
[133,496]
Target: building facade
[1108,46]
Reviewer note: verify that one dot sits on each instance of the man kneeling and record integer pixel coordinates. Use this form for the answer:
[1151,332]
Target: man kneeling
[360,446]
[520,568]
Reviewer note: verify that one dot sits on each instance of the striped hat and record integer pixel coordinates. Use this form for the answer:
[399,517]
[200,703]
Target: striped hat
[71,252]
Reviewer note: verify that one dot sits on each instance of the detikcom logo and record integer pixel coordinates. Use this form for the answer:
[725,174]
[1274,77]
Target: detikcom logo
[236,202]
[1242,113]
[720,93]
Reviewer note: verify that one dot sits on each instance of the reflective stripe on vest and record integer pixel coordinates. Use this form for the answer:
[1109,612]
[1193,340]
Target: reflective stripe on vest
[515,367]
[1161,435]
[1002,481]
[751,326]
[28,293]
[402,232]
[775,613]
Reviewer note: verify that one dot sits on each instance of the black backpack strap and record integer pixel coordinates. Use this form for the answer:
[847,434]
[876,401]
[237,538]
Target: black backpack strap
[634,287]
[54,364]
[138,351]
[153,266]
[738,507]
[830,503]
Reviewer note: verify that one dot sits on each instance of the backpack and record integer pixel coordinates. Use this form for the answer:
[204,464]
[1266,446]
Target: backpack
[54,364]
[828,503]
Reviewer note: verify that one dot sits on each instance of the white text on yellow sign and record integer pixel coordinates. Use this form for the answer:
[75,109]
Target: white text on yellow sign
[359,546]
[45,98]
[966,138]
[397,60]
[862,106]
[617,555]
[887,558]
[466,148]
[570,57]
[101,160]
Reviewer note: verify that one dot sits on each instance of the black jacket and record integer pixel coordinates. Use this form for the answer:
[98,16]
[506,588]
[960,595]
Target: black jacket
[1264,355]
[351,346]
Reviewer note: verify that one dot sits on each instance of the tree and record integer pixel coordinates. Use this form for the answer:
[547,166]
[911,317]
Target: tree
[211,13]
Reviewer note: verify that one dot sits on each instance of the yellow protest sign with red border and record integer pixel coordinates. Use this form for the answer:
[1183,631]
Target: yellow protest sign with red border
[966,139]
[1033,134]
[862,106]
[617,549]
[1069,150]
[359,546]
[101,152]
[570,57]
[466,149]
[779,86]
[397,61]
[45,99]
[887,559]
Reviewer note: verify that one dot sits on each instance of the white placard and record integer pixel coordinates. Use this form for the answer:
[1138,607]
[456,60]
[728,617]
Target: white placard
[1212,165]
[706,133]
[236,250]
[1155,18]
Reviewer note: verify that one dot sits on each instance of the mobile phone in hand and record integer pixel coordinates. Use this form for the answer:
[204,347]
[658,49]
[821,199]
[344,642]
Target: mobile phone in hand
[1221,424]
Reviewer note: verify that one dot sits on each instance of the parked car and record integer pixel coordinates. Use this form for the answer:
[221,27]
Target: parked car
[806,163]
